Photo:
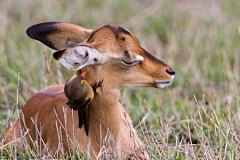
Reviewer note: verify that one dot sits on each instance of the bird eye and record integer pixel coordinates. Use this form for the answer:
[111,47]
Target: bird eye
[82,81]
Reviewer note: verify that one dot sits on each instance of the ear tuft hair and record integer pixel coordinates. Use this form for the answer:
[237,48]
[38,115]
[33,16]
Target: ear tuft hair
[57,55]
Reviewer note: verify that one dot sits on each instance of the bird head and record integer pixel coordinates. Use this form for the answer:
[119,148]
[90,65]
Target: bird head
[78,89]
[83,77]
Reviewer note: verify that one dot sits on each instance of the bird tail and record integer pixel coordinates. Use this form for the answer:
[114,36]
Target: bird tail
[83,120]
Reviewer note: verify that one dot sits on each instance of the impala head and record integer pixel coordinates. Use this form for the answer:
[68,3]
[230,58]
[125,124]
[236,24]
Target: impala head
[109,53]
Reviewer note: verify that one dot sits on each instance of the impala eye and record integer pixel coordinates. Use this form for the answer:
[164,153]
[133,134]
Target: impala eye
[126,63]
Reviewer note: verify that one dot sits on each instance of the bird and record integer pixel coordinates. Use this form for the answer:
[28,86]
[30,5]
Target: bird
[79,93]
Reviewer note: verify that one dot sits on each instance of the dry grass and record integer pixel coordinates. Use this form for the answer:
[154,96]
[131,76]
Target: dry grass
[196,118]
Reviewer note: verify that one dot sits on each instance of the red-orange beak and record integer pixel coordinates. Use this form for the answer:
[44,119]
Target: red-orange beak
[83,74]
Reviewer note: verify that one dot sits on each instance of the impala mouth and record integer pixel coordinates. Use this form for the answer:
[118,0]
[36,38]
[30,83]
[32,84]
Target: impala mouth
[163,84]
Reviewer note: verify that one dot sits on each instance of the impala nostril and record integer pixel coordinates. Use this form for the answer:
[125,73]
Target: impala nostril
[170,72]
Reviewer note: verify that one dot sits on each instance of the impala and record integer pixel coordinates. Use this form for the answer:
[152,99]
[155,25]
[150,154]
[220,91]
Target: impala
[109,54]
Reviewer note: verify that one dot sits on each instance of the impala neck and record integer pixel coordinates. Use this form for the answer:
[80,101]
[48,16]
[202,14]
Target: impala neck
[105,118]
[105,109]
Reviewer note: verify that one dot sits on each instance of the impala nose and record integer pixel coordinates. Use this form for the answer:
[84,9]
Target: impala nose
[171,72]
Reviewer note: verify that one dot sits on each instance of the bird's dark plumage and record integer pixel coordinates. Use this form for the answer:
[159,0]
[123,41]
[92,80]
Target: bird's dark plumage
[79,93]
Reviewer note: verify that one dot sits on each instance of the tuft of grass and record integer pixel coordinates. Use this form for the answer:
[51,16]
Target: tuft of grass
[197,117]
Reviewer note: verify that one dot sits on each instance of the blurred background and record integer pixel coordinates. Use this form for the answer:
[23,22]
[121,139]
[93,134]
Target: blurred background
[199,39]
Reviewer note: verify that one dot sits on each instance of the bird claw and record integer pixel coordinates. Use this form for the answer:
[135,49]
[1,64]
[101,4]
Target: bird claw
[96,85]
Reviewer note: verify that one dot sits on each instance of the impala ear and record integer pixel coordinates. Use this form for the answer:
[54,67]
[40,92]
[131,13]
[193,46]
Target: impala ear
[57,35]
[78,56]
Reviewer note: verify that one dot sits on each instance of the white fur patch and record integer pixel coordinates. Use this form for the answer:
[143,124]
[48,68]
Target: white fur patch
[139,58]
[107,57]
[78,57]
[163,84]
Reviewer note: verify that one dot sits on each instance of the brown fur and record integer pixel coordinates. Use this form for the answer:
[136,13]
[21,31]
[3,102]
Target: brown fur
[55,34]
[107,115]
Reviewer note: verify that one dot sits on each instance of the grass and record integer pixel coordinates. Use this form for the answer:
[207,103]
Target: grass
[197,117]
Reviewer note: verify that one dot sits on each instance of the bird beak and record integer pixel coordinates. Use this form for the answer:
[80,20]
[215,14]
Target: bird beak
[83,74]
